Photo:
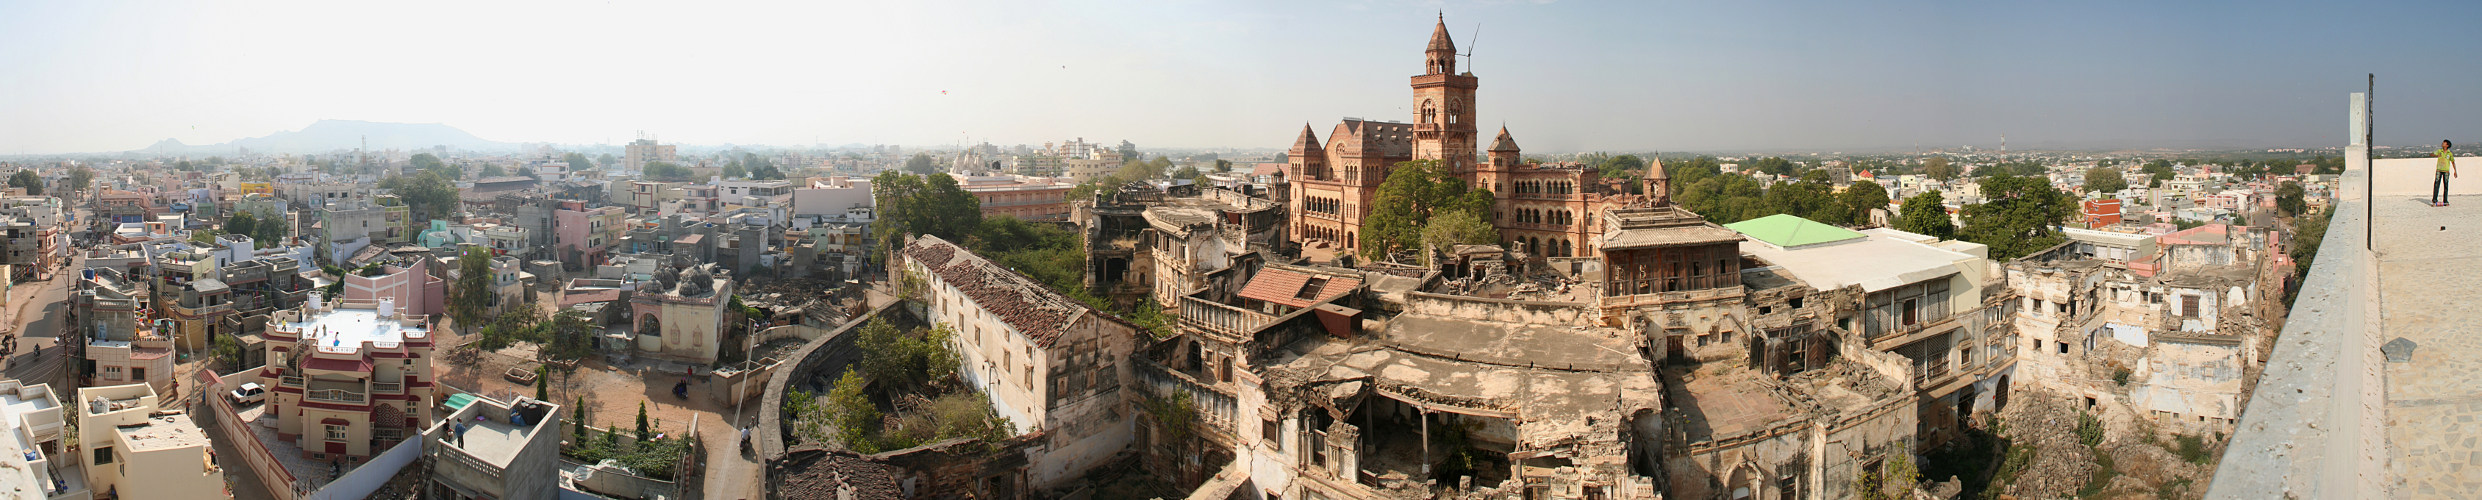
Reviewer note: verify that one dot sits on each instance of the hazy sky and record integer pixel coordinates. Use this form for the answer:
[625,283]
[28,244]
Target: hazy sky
[1563,76]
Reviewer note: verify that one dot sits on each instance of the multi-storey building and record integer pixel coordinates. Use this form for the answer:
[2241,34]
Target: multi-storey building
[639,152]
[351,377]
[490,449]
[584,237]
[1048,362]
[139,450]
[1033,199]
[33,461]
[190,291]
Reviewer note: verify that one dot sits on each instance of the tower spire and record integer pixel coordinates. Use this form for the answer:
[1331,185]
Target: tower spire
[1440,56]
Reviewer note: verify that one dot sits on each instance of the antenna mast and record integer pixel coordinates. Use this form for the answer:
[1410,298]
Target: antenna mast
[1470,42]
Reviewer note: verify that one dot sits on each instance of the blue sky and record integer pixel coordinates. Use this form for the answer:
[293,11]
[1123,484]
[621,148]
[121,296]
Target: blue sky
[1563,76]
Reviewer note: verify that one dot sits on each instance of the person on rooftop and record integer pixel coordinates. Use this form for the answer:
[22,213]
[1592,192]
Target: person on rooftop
[2447,168]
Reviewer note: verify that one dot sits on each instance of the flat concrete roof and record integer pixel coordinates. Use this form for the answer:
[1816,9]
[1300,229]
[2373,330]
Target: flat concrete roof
[162,433]
[2429,273]
[1881,261]
[1544,345]
[495,441]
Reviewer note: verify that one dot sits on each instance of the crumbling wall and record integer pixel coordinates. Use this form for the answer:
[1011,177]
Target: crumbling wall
[1499,310]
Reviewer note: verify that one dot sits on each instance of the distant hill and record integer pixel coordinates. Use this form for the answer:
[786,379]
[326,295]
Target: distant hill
[333,135]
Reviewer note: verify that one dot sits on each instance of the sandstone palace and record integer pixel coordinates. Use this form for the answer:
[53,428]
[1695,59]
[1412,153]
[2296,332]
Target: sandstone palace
[1543,208]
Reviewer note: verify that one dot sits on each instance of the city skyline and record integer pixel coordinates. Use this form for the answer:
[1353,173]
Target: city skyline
[1563,76]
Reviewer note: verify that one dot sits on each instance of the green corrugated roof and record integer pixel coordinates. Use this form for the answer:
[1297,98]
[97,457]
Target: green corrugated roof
[1785,230]
[459,400]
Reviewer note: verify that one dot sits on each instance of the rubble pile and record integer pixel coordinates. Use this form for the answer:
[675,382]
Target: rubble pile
[2047,422]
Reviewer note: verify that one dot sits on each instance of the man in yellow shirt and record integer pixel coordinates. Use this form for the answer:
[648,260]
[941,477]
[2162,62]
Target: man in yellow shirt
[2447,168]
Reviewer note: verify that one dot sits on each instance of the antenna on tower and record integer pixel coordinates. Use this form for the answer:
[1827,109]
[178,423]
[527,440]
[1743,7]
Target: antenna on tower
[1469,47]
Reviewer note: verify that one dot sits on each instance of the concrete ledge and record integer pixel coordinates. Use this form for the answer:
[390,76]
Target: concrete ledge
[2313,428]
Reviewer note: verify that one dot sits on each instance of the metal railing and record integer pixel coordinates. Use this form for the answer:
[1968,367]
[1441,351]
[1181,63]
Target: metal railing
[1219,318]
[388,387]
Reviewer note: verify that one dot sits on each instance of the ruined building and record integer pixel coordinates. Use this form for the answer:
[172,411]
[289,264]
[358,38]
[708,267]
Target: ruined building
[2168,329]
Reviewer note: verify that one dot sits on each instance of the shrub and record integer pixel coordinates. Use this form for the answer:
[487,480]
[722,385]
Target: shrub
[2193,449]
[2089,430]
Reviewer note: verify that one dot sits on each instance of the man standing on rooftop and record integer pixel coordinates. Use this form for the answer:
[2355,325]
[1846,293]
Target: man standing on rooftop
[2447,168]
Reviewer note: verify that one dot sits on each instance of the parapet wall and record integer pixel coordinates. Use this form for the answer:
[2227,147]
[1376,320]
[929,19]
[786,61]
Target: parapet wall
[1501,310]
[2313,428]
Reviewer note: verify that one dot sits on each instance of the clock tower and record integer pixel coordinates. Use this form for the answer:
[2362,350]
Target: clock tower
[1443,103]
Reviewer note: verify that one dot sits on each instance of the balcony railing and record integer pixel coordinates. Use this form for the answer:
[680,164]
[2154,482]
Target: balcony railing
[294,381]
[388,387]
[1219,318]
[336,396]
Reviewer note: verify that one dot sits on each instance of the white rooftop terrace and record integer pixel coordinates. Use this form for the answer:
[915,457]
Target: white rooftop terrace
[1882,259]
[342,330]
[25,472]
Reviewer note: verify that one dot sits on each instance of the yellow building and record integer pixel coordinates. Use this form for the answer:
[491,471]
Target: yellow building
[131,451]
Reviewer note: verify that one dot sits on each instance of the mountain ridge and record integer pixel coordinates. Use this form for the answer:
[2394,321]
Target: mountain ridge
[333,135]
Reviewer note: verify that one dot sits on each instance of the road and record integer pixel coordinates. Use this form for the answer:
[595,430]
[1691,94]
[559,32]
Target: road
[38,313]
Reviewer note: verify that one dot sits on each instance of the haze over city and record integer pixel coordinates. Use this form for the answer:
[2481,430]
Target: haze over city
[1568,76]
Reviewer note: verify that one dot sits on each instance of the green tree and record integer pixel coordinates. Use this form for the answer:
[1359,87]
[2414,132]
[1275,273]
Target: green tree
[470,297]
[2158,170]
[606,160]
[1926,214]
[579,419]
[734,170]
[1622,167]
[80,178]
[429,195]
[1862,197]
[426,162]
[2023,215]
[767,172]
[577,161]
[270,232]
[2105,180]
[241,223]
[572,334]
[542,383]
[1413,192]
[27,179]
[228,351]
[1223,165]
[1937,167]
[2288,198]
[1186,172]
[492,170]
[921,164]
[906,362]
[1812,198]
[1457,227]
[934,205]
[645,431]
[528,172]
[856,419]
[667,171]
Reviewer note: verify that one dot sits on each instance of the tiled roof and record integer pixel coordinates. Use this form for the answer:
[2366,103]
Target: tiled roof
[1030,308]
[1284,286]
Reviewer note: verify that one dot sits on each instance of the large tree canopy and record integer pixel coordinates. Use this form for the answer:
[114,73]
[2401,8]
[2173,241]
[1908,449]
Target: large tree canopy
[2022,216]
[1927,214]
[667,171]
[2105,180]
[431,196]
[1862,197]
[914,204]
[1414,192]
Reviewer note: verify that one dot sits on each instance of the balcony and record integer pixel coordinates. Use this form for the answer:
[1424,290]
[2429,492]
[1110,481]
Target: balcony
[1224,320]
[388,387]
[336,396]
[293,381]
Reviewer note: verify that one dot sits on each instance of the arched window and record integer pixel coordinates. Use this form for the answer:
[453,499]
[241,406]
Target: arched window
[1430,113]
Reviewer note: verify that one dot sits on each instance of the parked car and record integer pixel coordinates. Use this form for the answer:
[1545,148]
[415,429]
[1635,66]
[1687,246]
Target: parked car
[250,393]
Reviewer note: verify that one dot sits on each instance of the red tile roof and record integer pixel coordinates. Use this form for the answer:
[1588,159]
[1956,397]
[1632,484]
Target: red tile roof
[1030,308]
[1284,286]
